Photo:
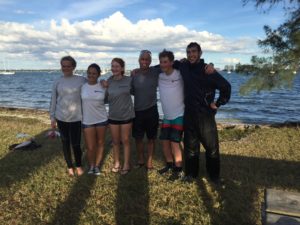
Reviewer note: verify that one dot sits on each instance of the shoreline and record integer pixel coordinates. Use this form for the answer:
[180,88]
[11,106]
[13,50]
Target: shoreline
[43,115]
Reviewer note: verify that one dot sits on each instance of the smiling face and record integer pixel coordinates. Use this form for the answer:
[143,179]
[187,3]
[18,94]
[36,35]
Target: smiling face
[116,68]
[92,75]
[145,61]
[166,65]
[193,54]
[67,68]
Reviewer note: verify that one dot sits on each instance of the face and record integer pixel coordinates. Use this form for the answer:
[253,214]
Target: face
[145,61]
[193,55]
[116,68]
[165,64]
[92,75]
[67,68]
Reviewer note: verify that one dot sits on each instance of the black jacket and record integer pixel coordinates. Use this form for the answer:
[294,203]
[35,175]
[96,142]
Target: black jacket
[200,88]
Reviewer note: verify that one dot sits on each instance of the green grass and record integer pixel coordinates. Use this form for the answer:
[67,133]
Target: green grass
[34,187]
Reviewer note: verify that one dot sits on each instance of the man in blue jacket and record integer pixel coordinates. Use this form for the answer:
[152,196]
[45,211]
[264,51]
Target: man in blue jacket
[199,116]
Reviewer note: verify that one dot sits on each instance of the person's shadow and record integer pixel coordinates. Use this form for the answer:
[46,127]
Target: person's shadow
[132,201]
[235,201]
[70,210]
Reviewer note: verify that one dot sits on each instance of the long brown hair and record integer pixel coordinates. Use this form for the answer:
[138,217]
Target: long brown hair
[121,62]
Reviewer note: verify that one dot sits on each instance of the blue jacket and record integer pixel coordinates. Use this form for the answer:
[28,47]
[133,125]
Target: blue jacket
[200,88]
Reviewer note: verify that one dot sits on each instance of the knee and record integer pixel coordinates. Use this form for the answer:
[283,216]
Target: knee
[90,148]
[65,139]
[125,141]
[151,141]
[101,142]
[212,152]
[116,142]
[76,147]
[191,152]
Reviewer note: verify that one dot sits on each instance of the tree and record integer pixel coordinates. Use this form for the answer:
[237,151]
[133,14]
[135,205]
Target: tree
[283,43]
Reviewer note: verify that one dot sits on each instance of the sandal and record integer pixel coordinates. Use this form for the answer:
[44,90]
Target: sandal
[139,165]
[124,172]
[115,169]
[149,168]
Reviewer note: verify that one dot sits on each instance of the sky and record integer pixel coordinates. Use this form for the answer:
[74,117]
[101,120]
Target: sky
[35,34]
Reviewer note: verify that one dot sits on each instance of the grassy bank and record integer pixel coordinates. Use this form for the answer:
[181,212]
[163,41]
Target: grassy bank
[34,187]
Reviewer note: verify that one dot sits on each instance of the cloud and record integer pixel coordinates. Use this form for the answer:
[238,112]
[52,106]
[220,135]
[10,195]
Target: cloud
[102,40]
[231,60]
[19,11]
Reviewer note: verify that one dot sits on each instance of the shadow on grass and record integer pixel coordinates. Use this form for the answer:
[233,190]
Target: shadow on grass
[69,211]
[132,201]
[236,201]
[20,165]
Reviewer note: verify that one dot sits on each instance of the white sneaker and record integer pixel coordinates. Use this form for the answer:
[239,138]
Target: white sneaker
[96,171]
[91,170]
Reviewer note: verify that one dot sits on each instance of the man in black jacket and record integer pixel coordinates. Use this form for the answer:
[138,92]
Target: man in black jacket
[200,109]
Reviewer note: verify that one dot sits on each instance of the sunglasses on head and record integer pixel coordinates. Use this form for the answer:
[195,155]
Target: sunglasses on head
[145,51]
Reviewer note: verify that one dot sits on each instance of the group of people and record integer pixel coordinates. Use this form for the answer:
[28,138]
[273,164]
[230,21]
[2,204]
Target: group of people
[187,94]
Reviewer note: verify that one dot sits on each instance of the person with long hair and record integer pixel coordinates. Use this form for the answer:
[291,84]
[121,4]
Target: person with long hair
[65,112]
[94,118]
[121,114]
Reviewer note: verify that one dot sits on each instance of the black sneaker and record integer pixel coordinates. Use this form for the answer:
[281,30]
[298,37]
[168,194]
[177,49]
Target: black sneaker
[188,179]
[164,170]
[218,182]
[176,175]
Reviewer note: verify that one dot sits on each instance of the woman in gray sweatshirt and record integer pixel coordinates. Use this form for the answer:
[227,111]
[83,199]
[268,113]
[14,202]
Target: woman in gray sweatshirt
[121,113]
[65,111]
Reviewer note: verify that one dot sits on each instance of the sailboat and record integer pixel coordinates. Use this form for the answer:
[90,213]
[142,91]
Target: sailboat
[5,71]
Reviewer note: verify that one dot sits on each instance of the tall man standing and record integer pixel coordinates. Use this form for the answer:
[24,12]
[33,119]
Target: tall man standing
[199,115]
[144,88]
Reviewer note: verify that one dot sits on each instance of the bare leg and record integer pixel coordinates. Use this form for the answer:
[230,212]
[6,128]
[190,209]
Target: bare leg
[167,150]
[140,150]
[90,141]
[150,148]
[115,134]
[125,134]
[100,144]
[177,153]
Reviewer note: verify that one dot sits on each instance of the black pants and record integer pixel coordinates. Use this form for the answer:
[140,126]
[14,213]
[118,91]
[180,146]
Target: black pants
[70,135]
[201,128]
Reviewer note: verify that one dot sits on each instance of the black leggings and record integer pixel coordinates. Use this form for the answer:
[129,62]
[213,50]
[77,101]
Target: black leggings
[70,135]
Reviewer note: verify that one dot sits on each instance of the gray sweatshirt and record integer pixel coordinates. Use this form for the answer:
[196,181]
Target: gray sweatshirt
[119,99]
[65,100]
[144,88]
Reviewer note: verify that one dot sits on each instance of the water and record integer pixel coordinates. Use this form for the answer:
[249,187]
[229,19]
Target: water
[33,90]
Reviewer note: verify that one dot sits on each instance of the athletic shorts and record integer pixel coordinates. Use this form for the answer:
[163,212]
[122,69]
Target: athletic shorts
[119,122]
[172,130]
[145,121]
[101,124]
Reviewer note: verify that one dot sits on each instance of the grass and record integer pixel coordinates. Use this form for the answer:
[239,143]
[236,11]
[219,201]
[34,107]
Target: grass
[34,187]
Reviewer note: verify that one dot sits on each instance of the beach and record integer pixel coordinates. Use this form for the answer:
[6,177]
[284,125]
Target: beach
[35,188]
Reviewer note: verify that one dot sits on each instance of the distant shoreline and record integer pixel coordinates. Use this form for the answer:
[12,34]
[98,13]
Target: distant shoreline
[43,114]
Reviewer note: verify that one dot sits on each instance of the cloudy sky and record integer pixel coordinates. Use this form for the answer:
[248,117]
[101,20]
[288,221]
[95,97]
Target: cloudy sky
[35,34]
